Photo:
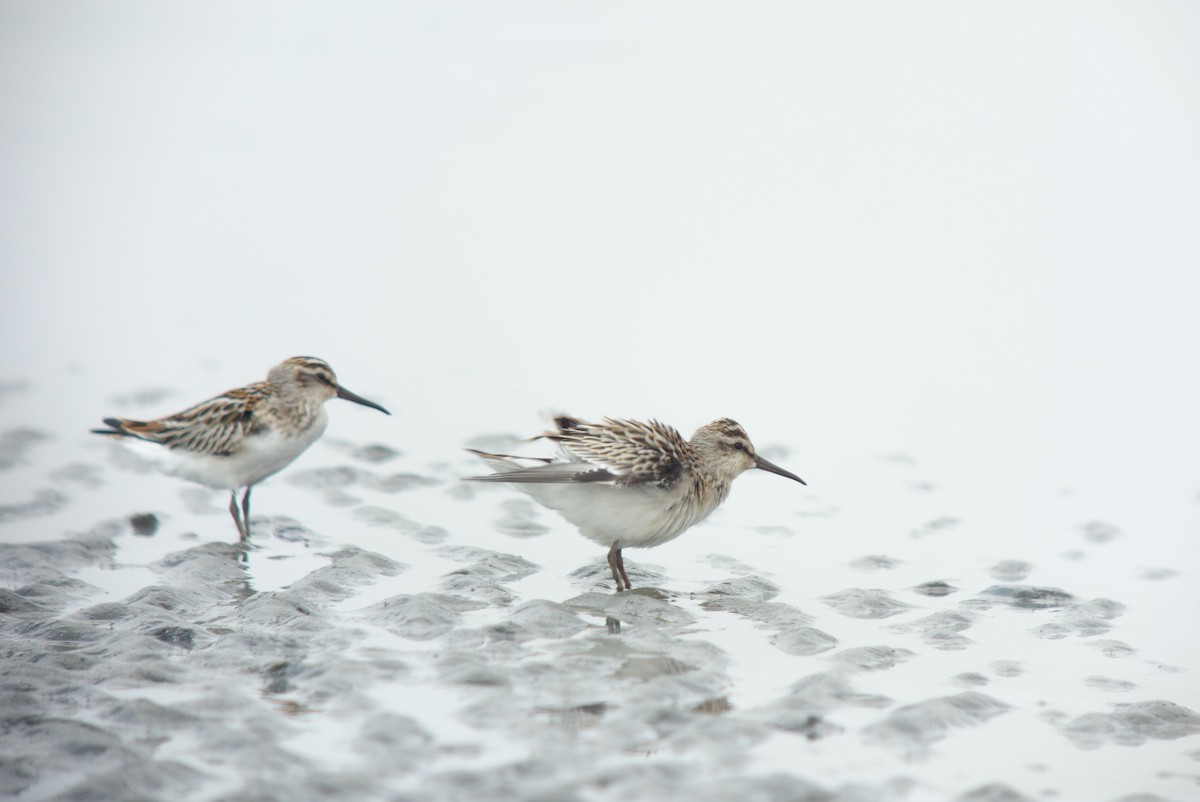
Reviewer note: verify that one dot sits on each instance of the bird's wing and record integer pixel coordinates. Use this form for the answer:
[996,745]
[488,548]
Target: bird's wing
[629,452]
[543,470]
[215,427]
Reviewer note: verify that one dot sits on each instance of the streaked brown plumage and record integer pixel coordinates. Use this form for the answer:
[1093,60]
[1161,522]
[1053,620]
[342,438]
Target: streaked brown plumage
[633,484]
[244,435]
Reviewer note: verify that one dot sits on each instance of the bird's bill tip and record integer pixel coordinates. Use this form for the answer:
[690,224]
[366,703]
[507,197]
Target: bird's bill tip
[771,467]
[342,392]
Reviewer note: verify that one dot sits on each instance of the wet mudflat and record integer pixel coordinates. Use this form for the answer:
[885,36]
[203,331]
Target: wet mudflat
[394,633]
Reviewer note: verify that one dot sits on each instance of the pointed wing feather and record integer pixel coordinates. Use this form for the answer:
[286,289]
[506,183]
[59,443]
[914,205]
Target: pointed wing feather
[509,469]
[554,472]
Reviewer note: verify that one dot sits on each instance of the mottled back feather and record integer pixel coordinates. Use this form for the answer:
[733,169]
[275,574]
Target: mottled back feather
[224,423]
[632,452]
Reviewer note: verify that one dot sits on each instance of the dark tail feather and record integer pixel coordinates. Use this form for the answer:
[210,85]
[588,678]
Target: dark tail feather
[499,477]
[117,429]
[564,424]
[489,455]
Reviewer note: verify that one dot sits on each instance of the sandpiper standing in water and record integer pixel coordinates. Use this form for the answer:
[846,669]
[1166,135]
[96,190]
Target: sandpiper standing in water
[245,435]
[629,484]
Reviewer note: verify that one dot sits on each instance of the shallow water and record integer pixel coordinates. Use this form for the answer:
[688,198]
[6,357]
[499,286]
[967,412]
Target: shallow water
[395,633]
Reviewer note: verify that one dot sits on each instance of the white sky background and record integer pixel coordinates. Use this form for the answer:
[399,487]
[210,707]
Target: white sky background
[965,232]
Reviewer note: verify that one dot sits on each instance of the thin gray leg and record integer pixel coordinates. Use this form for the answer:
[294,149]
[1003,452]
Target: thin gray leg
[233,510]
[246,510]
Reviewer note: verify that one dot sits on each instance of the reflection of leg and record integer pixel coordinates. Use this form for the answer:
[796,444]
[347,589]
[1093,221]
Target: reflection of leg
[246,511]
[237,519]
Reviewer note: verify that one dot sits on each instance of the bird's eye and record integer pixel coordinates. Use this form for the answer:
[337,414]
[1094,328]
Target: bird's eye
[739,447]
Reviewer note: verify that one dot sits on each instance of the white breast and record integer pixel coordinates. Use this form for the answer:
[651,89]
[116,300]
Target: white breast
[637,517]
[260,456]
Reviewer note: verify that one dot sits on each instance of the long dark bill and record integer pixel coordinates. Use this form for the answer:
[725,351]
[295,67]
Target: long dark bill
[759,462]
[342,392]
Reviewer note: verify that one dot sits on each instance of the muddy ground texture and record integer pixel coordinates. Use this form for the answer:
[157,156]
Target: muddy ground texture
[364,677]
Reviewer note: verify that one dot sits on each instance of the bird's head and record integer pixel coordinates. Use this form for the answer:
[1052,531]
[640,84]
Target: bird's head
[725,448]
[312,377]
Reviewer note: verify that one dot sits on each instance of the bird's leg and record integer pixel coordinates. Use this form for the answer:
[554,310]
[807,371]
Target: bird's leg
[621,568]
[617,563]
[246,510]
[614,554]
[237,519]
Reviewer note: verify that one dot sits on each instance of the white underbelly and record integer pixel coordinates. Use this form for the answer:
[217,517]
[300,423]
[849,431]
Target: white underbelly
[261,456]
[634,517]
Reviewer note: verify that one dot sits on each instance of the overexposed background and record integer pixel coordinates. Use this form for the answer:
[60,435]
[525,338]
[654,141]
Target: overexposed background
[966,231]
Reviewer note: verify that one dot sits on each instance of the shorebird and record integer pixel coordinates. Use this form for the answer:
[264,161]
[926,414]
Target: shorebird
[632,484]
[245,435]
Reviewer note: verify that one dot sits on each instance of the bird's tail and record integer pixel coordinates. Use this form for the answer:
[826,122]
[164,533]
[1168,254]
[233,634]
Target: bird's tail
[563,424]
[503,464]
[120,427]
